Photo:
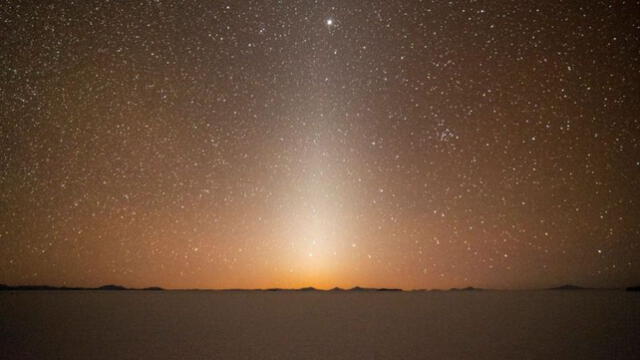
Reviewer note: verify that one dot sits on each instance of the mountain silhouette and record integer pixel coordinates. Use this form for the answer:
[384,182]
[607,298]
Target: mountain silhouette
[112,287]
[468,288]
[109,287]
[358,288]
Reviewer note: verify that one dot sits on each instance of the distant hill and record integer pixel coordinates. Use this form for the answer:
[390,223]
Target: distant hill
[358,288]
[111,287]
[361,289]
[468,288]
[153,288]
[335,289]
[310,288]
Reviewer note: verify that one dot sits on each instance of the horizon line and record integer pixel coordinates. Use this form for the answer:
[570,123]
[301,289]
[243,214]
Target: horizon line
[115,287]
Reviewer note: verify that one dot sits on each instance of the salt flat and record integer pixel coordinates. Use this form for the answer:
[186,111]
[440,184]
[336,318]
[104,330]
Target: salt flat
[319,325]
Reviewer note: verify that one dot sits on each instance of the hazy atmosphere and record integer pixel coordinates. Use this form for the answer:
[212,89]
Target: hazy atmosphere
[251,144]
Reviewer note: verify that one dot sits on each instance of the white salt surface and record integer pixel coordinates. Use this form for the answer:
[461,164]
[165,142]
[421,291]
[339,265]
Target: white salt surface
[315,325]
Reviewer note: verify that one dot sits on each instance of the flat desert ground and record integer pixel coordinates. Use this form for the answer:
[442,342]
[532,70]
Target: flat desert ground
[319,325]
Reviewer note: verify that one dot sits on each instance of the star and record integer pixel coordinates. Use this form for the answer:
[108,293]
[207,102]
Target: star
[446,136]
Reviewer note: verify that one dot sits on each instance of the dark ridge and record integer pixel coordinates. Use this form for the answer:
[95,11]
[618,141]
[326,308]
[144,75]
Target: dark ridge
[633,288]
[358,288]
[310,288]
[111,287]
[469,288]
[568,287]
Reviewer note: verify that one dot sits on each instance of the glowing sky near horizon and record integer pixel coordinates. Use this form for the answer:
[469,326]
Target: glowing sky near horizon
[414,144]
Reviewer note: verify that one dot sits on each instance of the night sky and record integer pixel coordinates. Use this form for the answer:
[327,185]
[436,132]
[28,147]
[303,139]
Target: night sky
[246,144]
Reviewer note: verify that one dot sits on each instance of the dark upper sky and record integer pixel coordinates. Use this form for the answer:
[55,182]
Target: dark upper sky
[417,144]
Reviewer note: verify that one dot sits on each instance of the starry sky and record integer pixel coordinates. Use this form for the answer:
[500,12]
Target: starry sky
[254,144]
